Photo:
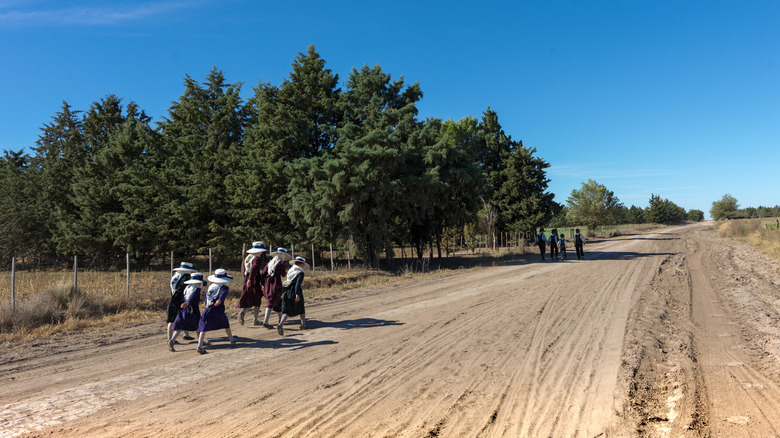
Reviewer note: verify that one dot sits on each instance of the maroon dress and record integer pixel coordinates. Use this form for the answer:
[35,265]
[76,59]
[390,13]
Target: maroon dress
[252,292]
[273,285]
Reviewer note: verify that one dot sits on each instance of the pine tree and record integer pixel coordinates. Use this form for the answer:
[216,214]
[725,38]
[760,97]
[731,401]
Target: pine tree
[296,120]
[60,151]
[203,136]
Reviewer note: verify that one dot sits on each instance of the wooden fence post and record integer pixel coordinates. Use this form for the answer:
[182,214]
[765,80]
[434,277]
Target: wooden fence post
[313,267]
[171,263]
[75,273]
[210,271]
[13,284]
[331,257]
[349,262]
[128,275]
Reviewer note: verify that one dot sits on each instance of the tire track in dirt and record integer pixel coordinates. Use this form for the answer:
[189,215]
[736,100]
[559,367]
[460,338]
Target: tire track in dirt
[738,394]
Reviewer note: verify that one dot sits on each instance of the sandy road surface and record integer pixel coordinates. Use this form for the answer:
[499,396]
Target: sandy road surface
[664,334]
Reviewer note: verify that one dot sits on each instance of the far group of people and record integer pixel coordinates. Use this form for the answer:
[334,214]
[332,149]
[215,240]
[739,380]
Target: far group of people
[558,244]
[263,278]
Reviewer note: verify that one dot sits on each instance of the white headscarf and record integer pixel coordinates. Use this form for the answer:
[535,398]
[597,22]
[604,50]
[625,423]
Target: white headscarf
[292,275]
[272,265]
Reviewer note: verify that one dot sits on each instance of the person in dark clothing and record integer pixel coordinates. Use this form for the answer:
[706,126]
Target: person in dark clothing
[540,241]
[554,244]
[579,240]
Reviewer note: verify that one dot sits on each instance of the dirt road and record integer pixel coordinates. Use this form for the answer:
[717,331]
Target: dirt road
[665,334]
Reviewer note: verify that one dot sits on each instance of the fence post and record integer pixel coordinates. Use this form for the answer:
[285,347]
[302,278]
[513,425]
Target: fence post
[349,262]
[313,267]
[13,284]
[128,275]
[243,255]
[331,257]
[210,261]
[171,263]
[292,250]
[75,273]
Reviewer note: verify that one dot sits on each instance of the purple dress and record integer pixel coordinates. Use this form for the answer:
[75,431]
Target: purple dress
[273,285]
[214,317]
[188,318]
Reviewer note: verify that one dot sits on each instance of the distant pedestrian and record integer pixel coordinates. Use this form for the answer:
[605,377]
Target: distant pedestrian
[579,241]
[181,274]
[292,299]
[214,317]
[272,284]
[188,317]
[541,239]
[252,291]
[562,246]
[554,244]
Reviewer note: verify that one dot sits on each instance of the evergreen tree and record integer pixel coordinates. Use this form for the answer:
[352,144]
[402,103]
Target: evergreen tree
[23,228]
[60,151]
[522,198]
[203,137]
[361,176]
[295,120]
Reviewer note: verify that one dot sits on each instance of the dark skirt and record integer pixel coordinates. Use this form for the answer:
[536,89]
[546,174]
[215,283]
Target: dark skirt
[174,306]
[187,319]
[214,318]
[250,297]
[289,306]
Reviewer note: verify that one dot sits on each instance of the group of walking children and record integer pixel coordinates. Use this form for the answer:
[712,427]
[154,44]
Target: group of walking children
[558,244]
[262,279]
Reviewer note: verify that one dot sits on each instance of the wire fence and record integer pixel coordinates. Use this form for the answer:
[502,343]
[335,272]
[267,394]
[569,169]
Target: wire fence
[148,281]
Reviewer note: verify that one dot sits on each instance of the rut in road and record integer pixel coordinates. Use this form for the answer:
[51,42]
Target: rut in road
[525,349]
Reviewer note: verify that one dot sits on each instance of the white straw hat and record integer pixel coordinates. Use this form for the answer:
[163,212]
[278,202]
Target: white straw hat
[220,276]
[196,278]
[185,267]
[282,254]
[257,247]
[302,262]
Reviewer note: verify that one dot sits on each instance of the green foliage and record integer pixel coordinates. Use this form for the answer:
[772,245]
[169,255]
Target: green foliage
[593,205]
[664,211]
[695,215]
[202,143]
[725,208]
[295,120]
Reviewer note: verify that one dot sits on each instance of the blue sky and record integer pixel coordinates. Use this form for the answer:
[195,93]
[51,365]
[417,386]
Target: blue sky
[676,98]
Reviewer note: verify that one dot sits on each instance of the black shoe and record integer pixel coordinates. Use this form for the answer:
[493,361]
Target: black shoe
[188,338]
[268,326]
[201,350]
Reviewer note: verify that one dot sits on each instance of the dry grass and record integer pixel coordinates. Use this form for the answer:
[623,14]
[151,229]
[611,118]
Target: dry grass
[47,302]
[755,233]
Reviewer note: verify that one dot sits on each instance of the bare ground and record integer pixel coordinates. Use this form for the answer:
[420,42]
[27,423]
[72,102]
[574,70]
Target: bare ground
[672,333]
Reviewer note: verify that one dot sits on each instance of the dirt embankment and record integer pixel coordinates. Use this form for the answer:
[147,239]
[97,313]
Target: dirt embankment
[662,334]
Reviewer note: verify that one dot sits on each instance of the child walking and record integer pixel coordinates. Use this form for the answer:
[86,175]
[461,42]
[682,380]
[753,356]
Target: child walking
[554,244]
[214,317]
[541,240]
[292,300]
[180,276]
[579,240]
[188,317]
[562,246]
[271,278]
[252,291]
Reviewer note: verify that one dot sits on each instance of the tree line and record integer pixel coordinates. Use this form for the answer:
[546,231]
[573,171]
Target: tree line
[594,205]
[302,161]
[727,207]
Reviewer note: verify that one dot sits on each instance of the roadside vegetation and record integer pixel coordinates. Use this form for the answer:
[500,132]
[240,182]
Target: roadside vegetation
[760,233]
[47,303]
